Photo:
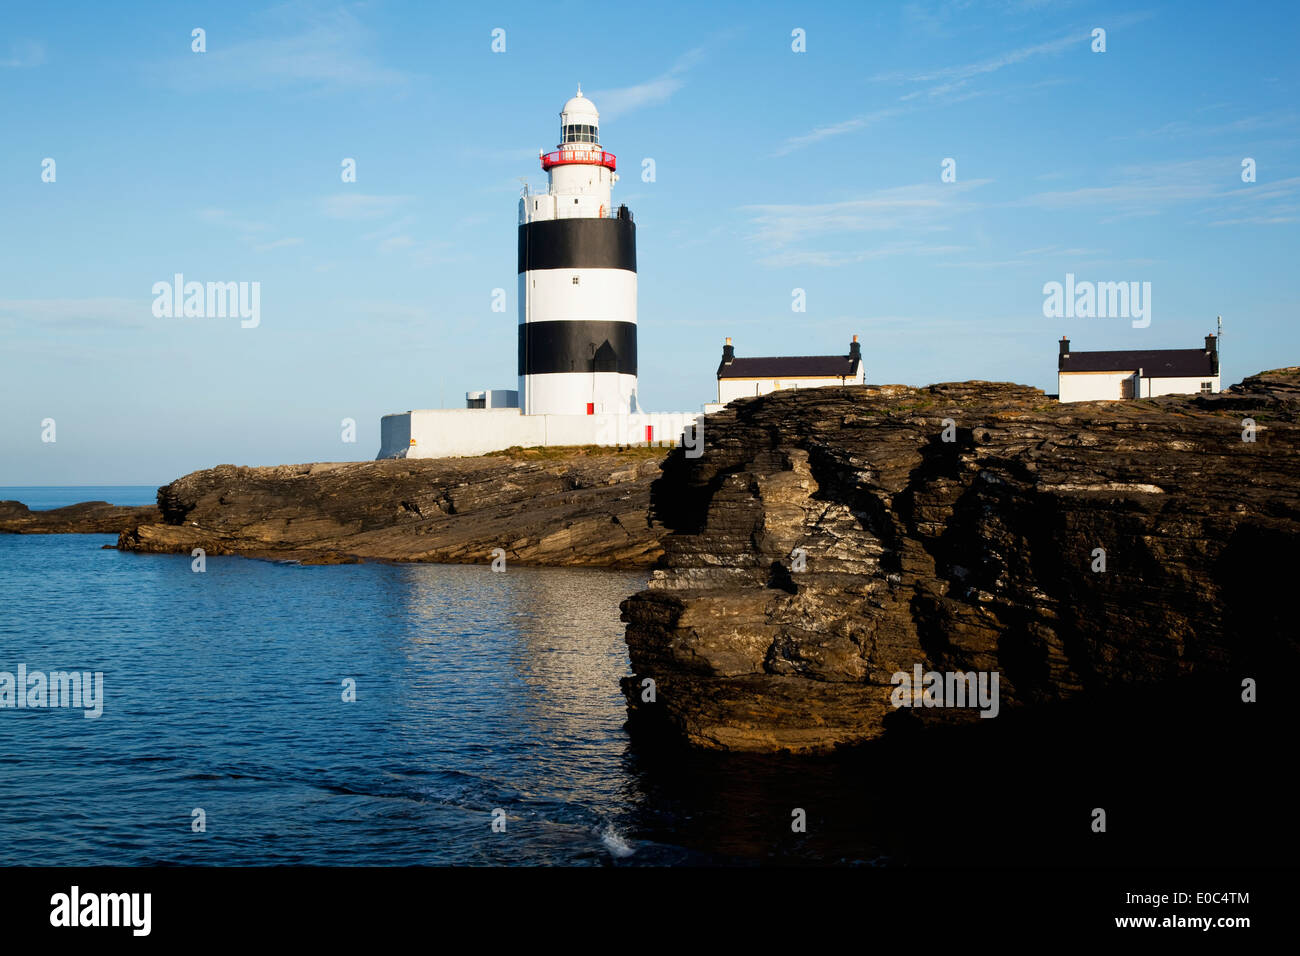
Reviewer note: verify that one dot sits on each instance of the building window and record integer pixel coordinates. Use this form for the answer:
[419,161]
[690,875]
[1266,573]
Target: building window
[1207,388]
[575,280]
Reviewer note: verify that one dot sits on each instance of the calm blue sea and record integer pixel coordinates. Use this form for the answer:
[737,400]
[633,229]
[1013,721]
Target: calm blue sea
[475,691]
[43,498]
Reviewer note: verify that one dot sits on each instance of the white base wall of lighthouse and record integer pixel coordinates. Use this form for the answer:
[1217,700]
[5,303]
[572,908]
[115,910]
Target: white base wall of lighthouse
[562,393]
[466,432]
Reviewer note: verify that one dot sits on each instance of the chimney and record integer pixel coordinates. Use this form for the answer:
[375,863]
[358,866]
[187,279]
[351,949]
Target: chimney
[1065,353]
[728,355]
[1211,343]
[1212,353]
[855,355]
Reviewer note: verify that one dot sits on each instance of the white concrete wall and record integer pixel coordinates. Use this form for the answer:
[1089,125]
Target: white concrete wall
[1102,386]
[456,432]
[462,432]
[1177,386]
[1091,386]
[394,435]
[536,206]
[730,389]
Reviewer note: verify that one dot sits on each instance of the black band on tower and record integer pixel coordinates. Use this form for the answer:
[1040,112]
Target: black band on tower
[577,347]
[577,244]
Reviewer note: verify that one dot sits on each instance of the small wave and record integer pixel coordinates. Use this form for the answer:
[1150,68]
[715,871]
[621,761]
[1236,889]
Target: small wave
[615,843]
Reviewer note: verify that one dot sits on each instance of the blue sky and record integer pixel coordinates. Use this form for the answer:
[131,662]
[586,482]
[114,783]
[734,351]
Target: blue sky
[774,170]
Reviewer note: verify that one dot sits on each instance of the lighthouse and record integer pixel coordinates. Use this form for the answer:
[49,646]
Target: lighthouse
[577,280]
[577,364]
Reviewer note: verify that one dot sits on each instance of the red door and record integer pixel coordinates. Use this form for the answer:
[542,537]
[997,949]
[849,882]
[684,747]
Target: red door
[591,408]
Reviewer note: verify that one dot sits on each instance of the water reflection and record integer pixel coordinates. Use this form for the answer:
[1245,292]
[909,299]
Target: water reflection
[535,656]
[479,690]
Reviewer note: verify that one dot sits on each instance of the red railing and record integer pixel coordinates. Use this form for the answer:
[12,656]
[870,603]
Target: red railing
[565,157]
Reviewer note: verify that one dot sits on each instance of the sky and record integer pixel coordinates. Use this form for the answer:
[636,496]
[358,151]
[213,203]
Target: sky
[775,169]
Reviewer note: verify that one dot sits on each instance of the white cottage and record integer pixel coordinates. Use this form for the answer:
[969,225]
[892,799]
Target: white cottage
[745,377]
[1092,376]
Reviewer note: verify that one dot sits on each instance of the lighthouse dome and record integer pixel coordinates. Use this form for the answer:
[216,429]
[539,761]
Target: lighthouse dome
[579,120]
[580,106]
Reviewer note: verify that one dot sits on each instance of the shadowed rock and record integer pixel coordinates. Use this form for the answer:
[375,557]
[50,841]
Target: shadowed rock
[88,517]
[975,554]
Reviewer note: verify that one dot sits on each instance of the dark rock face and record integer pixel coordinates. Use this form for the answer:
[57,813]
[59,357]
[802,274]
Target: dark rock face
[975,554]
[575,509]
[88,517]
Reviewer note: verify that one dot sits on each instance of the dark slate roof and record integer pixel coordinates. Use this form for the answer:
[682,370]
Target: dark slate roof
[1174,363]
[789,366]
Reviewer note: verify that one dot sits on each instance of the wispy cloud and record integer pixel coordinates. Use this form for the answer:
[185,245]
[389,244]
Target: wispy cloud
[1292,215]
[251,231]
[91,313]
[918,207]
[945,86]
[250,228]
[1028,256]
[512,155]
[1143,190]
[824,259]
[625,99]
[1279,120]
[278,244]
[357,206]
[954,74]
[837,129]
[1211,187]
[305,46]
[23,54]
[394,239]
[390,229]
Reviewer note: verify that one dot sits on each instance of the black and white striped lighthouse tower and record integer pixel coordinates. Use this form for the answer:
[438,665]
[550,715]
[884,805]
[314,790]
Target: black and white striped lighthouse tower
[577,281]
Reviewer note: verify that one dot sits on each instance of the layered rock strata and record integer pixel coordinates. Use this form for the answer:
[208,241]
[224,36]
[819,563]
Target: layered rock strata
[579,509]
[830,539]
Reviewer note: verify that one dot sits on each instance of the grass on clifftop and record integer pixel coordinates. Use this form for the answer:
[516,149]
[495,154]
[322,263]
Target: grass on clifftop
[549,452]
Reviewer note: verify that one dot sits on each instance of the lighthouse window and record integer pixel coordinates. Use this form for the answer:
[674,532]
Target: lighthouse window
[579,133]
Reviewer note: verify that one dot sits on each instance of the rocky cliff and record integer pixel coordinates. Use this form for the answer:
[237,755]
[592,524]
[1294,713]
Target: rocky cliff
[88,517]
[556,507]
[830,539]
